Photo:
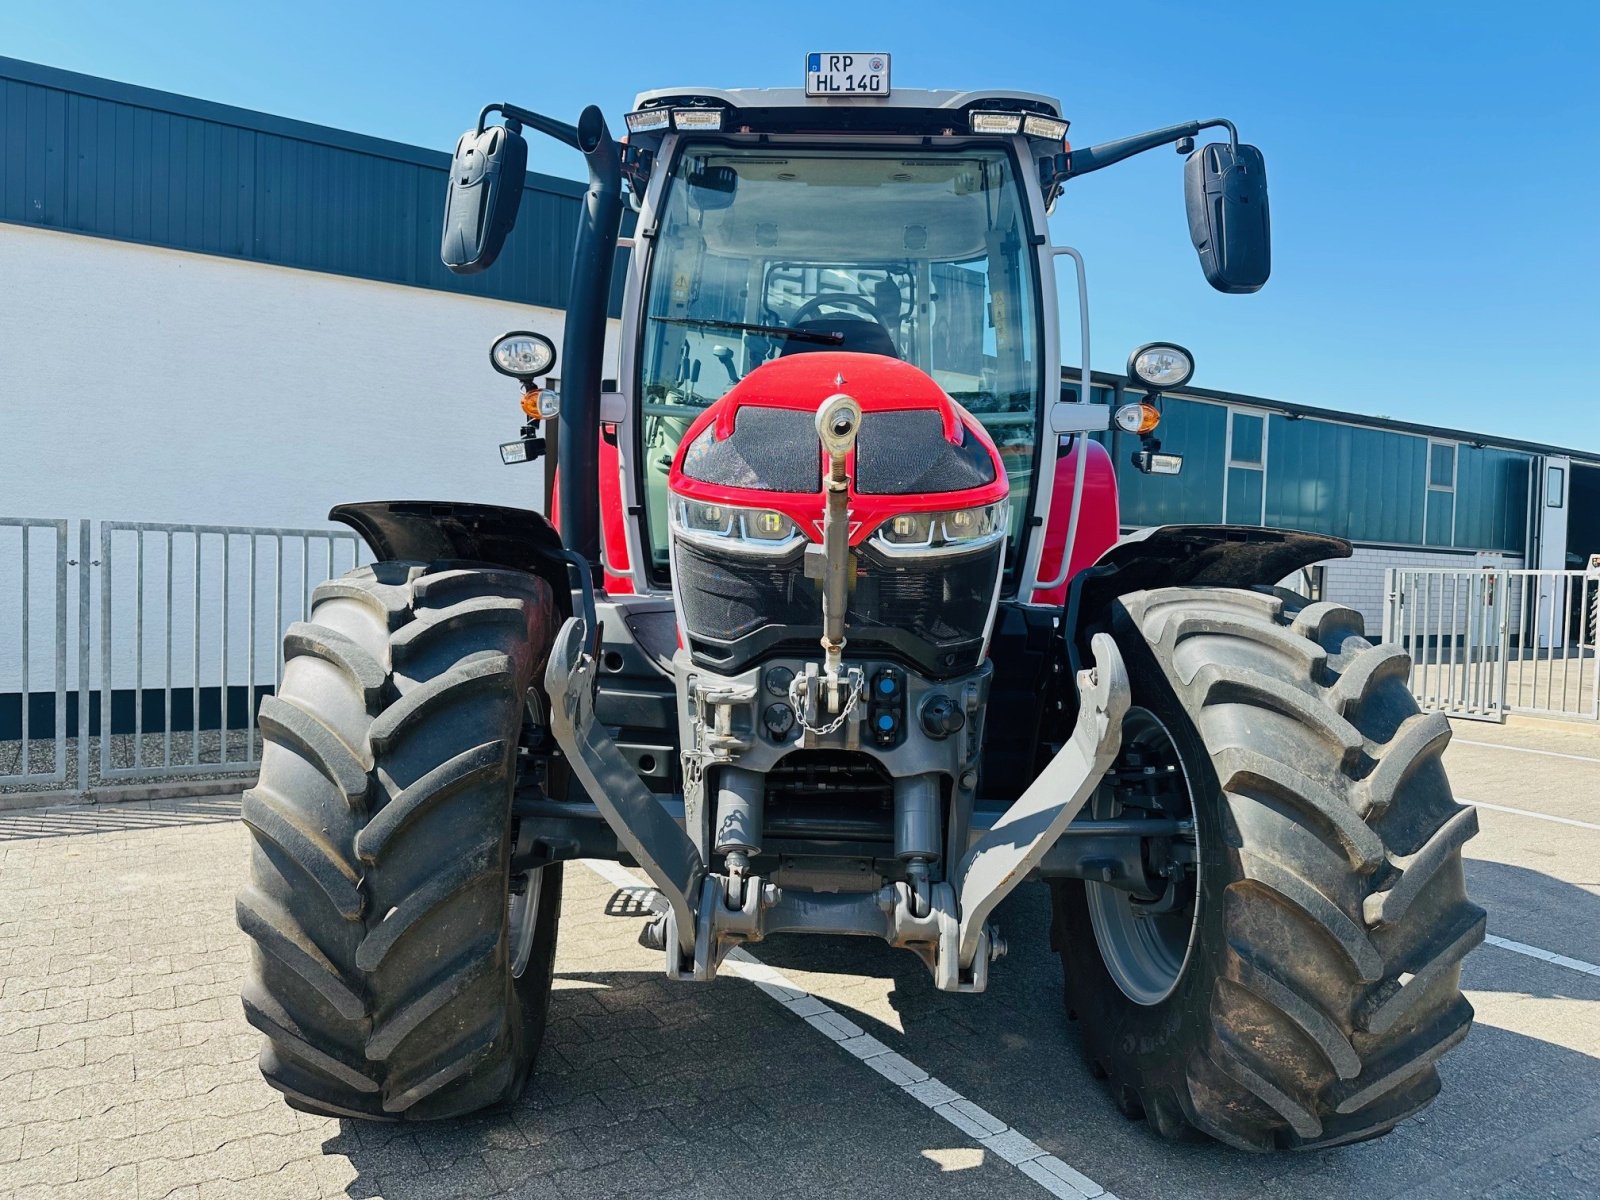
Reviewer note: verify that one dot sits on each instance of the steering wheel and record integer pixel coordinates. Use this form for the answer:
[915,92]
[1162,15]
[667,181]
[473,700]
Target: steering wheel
[814,305]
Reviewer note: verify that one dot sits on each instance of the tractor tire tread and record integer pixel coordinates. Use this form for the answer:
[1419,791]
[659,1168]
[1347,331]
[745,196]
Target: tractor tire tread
[381,976]
[1337,988]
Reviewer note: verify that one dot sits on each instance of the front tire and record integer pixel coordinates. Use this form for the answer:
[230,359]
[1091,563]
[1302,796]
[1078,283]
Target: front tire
[397,969]
[1319,956]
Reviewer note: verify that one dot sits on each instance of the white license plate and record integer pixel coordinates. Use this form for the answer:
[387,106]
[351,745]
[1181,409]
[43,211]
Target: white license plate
[849,74]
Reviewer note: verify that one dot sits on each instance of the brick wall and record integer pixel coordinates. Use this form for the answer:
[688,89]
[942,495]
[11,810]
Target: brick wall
[1359,580]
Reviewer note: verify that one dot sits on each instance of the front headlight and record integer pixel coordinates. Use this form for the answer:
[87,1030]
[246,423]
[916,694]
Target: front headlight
[955,532]
[735,530]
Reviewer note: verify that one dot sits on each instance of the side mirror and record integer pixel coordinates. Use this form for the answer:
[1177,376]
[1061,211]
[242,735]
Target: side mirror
[486,180]
[1225,191]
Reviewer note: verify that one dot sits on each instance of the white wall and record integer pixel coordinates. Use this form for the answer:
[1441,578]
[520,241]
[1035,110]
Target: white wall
[157,385]
[140,384]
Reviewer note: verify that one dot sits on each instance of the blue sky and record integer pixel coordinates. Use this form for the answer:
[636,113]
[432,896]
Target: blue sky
[1434,167]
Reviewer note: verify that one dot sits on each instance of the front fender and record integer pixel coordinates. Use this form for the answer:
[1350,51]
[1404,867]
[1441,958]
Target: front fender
[430,530]
[1187,555]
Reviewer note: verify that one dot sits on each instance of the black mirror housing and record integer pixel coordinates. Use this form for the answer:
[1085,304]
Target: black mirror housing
[1225,192]
[487,175]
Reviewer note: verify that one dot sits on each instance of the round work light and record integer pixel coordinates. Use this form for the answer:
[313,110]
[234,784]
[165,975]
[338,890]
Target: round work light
[1161,365]
[522,354]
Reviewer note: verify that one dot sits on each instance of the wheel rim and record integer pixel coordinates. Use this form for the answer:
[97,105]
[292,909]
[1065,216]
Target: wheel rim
[524,922]
[1146,952]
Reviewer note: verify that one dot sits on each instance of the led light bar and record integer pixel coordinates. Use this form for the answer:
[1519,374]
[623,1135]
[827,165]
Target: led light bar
[1157,464]
[996,122]
[648,120]
[524,450]
[697,118]
[1048,128]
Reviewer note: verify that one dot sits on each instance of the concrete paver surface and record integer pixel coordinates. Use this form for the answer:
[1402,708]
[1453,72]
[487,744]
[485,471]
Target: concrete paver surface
[126,1068]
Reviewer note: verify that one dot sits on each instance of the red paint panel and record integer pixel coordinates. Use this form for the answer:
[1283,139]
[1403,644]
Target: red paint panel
[1098,522]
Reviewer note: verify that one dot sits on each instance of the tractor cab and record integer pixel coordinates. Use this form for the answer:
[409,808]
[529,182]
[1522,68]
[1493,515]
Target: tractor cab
[775,225]
[780,226]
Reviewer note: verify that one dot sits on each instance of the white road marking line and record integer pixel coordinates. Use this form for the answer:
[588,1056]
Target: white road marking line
[1523,812]
[1558,960]
[982,1126]
[1461,741]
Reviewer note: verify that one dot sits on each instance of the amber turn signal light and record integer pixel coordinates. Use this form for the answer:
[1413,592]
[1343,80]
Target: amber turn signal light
[1137,418]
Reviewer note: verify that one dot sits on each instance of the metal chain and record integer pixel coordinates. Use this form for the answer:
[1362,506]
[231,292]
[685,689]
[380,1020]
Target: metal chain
[856,690]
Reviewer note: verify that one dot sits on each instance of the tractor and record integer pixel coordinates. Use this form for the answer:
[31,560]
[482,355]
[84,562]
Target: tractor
[829,626]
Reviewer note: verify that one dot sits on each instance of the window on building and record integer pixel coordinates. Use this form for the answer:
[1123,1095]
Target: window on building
[1555,487]
[1247,460]
[1441,501]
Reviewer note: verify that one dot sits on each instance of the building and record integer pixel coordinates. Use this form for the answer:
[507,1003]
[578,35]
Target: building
[1407,494]
[215,315]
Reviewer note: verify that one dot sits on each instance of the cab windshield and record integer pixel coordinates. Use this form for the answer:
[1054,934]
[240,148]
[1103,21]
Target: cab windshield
[922,256]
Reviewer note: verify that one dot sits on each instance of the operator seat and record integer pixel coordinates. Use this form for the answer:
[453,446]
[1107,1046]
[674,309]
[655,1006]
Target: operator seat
[861,335]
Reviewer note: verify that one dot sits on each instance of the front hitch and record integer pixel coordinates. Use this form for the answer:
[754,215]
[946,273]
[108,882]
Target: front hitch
[949,929]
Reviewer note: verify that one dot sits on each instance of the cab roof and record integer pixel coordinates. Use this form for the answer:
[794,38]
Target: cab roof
[900,98]
[904,112]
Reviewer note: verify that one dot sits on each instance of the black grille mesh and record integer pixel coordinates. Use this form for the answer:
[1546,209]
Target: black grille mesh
[899,453]
[727,598]
[943,600]
[771,449]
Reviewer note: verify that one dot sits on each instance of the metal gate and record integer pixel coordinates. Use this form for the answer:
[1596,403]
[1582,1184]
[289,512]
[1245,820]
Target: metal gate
[1484,642]
[143,656]
[33,622]
[191,625]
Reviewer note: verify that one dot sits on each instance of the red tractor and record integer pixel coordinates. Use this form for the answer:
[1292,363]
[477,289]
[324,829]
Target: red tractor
[830,629]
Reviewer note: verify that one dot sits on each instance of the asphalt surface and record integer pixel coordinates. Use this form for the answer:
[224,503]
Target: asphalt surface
[835,1068]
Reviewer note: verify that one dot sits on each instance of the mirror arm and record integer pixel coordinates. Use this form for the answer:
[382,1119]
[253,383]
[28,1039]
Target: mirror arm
[516,117]
[1093,158]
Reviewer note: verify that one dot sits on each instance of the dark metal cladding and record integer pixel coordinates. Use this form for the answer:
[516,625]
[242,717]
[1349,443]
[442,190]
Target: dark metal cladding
[94,156]
[770,449]
[902,453]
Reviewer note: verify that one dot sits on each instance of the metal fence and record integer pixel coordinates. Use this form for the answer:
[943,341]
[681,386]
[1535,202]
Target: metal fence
[33,554]
[161,639]
[1491,641]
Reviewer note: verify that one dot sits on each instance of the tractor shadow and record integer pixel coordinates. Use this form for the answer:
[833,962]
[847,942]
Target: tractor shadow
[649,1087]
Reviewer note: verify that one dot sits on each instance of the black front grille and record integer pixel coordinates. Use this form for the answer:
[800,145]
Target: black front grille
[943,600]
[929,610]
[726,598]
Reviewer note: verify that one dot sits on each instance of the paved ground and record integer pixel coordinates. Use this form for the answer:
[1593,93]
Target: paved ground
[126,1068]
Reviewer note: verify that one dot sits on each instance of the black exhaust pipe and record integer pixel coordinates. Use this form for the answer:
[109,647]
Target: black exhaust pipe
[583,345]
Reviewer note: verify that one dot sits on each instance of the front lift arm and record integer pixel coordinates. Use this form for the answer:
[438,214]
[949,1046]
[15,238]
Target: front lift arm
[642,826]
[1022,836]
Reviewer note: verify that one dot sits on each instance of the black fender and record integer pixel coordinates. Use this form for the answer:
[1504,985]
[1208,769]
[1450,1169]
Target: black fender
[430,530]
[1181,555]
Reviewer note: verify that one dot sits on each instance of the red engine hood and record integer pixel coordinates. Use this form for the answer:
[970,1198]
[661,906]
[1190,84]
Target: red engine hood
[800,384]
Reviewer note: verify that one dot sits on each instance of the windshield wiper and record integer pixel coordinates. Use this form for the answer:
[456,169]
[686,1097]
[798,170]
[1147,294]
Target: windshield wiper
[799,335]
